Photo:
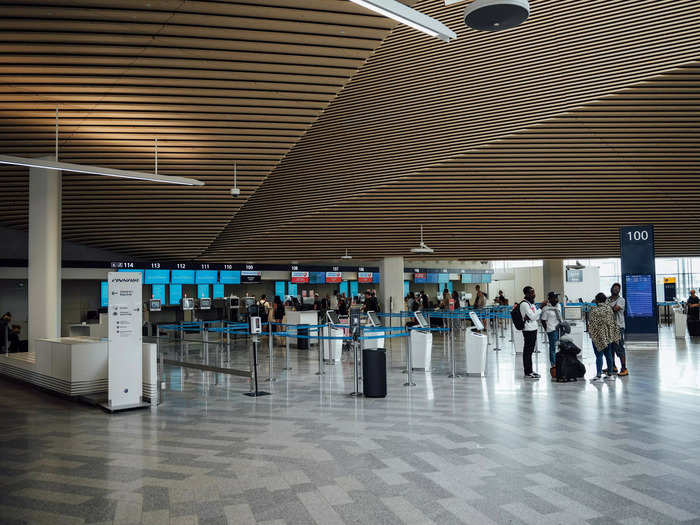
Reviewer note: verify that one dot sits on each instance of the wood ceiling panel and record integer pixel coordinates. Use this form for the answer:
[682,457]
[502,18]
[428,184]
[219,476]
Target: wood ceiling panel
[214,82]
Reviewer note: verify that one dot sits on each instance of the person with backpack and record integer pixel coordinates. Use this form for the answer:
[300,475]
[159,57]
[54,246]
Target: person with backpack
[525,316]
[551,319]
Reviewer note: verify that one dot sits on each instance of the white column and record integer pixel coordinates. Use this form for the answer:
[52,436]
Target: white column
[44,254]
[391,285]
[552,277]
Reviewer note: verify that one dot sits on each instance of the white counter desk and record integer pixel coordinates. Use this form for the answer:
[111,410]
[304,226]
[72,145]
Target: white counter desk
[73,366]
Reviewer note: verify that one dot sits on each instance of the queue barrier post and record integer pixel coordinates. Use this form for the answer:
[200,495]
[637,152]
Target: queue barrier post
[271,352]
[286,350]
[409,363]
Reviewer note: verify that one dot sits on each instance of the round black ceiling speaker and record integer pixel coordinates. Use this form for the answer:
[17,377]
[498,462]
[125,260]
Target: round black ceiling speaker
[496,15]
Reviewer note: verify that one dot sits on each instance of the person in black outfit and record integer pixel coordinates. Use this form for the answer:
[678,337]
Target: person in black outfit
[16,345]
[693,306]
[5,321]
[424,299]
[371,303]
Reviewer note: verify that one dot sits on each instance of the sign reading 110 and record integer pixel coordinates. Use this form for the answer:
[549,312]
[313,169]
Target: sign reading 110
[638,235]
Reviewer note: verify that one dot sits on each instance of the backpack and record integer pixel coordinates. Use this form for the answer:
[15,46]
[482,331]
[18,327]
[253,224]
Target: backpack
[517,317]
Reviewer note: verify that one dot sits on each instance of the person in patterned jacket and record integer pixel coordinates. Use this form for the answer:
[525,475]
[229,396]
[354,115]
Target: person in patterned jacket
[604,334]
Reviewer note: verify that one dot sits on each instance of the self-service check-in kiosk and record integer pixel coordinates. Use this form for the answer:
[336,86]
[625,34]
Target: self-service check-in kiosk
[421,342]
[475,348]
[205,303]
[154,305]
[573,315]
[373,321]
[333,349]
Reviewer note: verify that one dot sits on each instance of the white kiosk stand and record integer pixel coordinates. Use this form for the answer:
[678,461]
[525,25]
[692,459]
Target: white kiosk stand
[125,352]
[475,348]
[574,316]
[333,349]
[373,344]
[680,322]
[421,342]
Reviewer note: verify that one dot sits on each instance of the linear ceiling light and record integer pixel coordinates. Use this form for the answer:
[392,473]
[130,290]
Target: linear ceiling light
[410,17]
[95,170]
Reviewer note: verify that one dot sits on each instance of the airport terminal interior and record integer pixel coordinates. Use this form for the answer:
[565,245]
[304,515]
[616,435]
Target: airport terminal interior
[349,262]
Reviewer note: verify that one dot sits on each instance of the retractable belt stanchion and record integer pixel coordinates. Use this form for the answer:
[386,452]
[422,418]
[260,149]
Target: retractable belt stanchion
[254,392]
[495,314]
[320,350]
[409,362]
[286,350]
[271,352]
[453,360]
[355,332]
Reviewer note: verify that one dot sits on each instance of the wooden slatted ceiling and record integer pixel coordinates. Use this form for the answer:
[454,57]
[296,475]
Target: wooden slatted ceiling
[559,189]
[417,102]
[213,81]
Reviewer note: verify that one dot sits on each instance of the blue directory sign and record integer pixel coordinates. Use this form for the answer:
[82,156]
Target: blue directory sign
[229,277]
[280,287]
[104,294]
[156,277]
[354,289]
[202,291]
[182,277]
[638,295]
[292,287]
[175,293]
[207,276]
[638,280]
[218,291]
[158,292]
[343,288]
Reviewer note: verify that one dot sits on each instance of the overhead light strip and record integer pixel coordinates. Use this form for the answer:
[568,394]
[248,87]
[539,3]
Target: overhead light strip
[410,17]
[95,170]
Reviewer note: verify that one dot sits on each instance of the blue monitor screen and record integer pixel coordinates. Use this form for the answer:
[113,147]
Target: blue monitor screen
[317,277]
[280,287]
[466,278]
[292,287]
[354,289]
[344,288]
[182,277]
[104,294]
[157,277]
[432,278]
[443,277]
[229,277]
[202,291]
[207,276]
[218,291]
[639,295]
[158,292]
[375,277]
[175,293]
[406,288]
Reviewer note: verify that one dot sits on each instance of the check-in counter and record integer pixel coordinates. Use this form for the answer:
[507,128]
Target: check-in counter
[308,317]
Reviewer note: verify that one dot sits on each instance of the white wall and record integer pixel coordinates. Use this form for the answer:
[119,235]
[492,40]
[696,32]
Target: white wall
[587,289]
[513,282]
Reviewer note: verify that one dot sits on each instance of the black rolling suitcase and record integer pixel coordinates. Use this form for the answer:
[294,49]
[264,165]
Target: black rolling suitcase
[694,327]
[374,372]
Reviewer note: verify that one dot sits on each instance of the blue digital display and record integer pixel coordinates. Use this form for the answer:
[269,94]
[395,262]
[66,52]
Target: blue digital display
[639,296]
[202,291]
[450,289]
[207,276]
[466,278]
[133,271]
[292,287]
[218,291]
[229,277]
[420,278]
[175,293]
[443,277]
[158,292]
[432,278]
[157,277]
[104,294]
[485,277]
[354,289]
[280,287]
[343,288]
[375,277]
[182,277]
[406,288]
[317,277]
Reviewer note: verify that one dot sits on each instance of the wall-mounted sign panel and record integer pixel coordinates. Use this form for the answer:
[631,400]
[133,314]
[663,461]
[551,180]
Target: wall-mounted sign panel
[574,276]
[218,291]
[334,277]
[203,291]
[364,277]
[300,277]
[182,277]
[158,292]
[230,277]
[251,276]
[638,279]
[104,294]
[206,276]
[175,293]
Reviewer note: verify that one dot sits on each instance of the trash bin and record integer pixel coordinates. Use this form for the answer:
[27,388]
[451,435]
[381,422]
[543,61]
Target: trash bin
[303,341]
[374,372]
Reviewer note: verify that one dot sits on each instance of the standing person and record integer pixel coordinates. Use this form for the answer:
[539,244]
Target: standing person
[604,334]
[334,300]
[5,322]
[278,313]
[343,305]
[693,306]
[371,303]
[455,298]
[530,315]
[551,319]
[617,303]
[501,299]
[425,302]
[480,300]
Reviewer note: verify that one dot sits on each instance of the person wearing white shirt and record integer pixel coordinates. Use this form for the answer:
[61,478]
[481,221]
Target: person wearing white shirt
[334,300]
[551,318]
[530,315]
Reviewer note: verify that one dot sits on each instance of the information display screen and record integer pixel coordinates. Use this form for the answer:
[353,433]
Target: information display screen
[344,289]
[175,293]
[333,317]
[202,291]
[466,278]
[300,277]
[104,294]
[443,278]
[188,303]
[432,278]
[206,276]
[364,277]
[280,289]
[317,277]
[158,292]
[354,289]
[639,295]
[422,322]
[251,276]
[157,277]
[375,277]
[420,277]
[292,287]
[154,305]
[205,303]
[182,277]
[230,277]
[334,277]
[218,291]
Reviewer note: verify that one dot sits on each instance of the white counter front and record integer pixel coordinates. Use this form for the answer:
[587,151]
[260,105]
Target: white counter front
[309,317]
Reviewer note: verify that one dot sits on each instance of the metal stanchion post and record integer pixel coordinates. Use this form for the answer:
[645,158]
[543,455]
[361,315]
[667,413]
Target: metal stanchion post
[496,348]
[254,392]
[409,362]
[320,351]
[286,350]
[453,359]
[271,352]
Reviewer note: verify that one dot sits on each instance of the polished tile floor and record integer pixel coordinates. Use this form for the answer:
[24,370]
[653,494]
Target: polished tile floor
[468,450]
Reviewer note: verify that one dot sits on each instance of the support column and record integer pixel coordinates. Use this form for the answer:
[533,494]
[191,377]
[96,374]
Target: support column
[391,285]
[44,286]
[553,277]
